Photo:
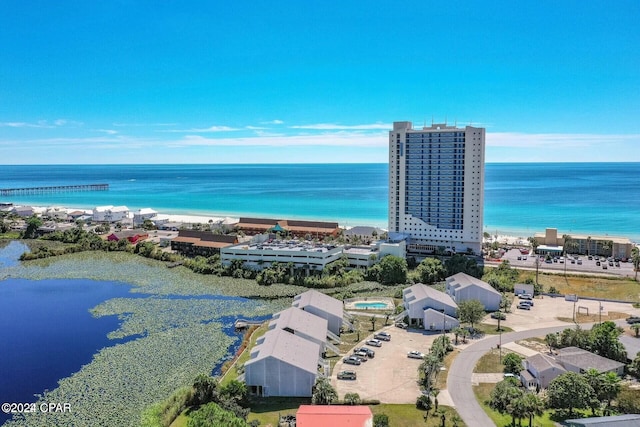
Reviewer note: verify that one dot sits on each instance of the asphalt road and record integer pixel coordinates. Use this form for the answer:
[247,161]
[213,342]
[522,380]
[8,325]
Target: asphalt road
[459,378]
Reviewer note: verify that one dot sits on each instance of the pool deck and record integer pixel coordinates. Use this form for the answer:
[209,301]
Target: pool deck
[350,304]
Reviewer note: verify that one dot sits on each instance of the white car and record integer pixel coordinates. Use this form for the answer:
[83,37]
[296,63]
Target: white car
[374,342]
[415,355]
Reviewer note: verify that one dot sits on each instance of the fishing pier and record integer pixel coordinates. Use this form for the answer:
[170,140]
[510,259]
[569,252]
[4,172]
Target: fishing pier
[54,189]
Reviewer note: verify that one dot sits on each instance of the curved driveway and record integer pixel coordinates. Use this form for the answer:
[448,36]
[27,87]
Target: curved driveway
[459,378]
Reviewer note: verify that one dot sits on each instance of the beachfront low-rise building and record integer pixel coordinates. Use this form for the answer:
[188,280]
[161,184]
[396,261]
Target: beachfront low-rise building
[110,213]
[143,214]
[291,227]
[203,243]
[552,242]
[462,287]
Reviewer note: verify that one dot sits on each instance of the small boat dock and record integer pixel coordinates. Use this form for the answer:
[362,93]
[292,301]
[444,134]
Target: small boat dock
[244,323]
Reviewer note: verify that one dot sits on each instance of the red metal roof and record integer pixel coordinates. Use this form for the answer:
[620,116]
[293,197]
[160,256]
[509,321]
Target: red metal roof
[334,416]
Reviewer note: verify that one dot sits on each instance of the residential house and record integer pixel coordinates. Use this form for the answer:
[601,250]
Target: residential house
[323,306]
[575,359]
[462,287]
[334,416]
[110,213]
[132,236]
[419,298]
[539,371]
[282,364]
[143,214]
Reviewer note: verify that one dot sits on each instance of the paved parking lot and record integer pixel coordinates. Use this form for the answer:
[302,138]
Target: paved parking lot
[587,266]
[391,376]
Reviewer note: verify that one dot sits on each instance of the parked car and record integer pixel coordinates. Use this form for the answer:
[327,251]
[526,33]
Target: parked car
[401,325]
[347,375]
[352,360]
[528,302]
[633,319]
[374,342]
[384,336]
[415,355]
[604,266]
[525,296]
[598,263]
[579,261]
[362,355]
[498,315]
[524,306]
[590,257]
[370,353]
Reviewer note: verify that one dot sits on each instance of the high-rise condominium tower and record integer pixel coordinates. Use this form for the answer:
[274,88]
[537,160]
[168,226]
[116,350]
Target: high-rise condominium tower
[436,186]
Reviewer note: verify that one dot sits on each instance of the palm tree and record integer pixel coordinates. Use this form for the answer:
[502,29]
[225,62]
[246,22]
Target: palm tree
[588,245]
[636,328]
[607,247]
[533,406]
[635,259]
[323,392]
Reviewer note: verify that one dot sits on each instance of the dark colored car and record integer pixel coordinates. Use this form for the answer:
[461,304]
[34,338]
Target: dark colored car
[347,375]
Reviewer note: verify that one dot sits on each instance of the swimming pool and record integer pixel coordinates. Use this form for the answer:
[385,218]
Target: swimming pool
[371,305]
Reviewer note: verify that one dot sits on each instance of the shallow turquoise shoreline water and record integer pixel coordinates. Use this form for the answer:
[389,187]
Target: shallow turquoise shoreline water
[520,198]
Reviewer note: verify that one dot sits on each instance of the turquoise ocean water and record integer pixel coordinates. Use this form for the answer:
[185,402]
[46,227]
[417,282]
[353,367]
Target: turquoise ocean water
[520,198]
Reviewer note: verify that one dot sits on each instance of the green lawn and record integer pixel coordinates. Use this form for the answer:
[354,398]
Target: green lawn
[268,410]
[490,363]
[408,416]
[621,288]
[232,373]
[483,393]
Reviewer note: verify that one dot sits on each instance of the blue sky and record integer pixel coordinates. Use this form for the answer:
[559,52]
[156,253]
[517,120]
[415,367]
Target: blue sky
[290,81]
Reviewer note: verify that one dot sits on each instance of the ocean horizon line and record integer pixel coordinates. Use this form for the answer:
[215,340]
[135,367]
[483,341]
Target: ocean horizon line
[300,163]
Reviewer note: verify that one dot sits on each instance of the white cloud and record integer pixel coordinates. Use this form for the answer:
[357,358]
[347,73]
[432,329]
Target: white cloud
[143,124]
[255,128]
[332,126]
[335,139]
[515,139]
[46,124]
[107,131]
[203,130]
[272,122]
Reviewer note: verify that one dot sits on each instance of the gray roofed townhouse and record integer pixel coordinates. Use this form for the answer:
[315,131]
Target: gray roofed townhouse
[463,287]
[420,297]
[323,306]
[282,364]
[302,324]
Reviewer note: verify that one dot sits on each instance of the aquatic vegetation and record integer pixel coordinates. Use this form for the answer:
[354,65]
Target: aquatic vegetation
[122,380]
[145,316]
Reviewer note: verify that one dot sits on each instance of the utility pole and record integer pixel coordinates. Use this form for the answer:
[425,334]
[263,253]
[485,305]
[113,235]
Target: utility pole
[500,335]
